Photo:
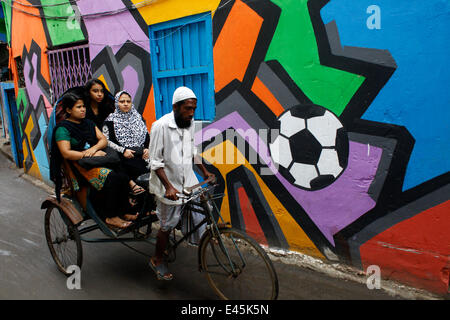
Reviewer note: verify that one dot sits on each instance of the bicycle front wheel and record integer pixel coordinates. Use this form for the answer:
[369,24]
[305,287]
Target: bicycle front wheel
[237,268]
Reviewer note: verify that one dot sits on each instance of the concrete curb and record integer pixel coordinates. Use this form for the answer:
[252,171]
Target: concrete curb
[6,150]
[347,272]
[36,182]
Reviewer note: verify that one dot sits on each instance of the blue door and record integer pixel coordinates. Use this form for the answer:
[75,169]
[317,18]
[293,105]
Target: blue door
[182,55]
[15,136]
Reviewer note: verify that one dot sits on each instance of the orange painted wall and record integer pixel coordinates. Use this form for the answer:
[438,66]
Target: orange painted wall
[22,34]
[232,53]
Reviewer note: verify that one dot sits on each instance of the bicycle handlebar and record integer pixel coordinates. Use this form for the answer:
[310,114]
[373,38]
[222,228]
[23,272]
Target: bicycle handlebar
[194,194]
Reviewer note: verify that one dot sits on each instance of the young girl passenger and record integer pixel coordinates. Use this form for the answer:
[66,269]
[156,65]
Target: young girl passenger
[98,104]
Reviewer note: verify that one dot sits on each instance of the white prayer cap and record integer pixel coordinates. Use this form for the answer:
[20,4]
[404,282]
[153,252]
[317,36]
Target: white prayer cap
[182,93]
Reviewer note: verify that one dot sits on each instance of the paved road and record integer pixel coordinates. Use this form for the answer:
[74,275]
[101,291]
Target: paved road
[111,271]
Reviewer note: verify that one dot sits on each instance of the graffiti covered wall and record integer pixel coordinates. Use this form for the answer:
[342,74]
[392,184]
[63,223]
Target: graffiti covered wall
[321,106]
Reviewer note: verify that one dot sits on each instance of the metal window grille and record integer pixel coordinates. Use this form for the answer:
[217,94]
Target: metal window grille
[69,67]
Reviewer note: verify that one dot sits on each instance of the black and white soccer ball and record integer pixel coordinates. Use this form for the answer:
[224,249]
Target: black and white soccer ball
[310,146]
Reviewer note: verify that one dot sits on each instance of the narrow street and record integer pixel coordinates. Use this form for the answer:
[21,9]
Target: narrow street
[325,123]
[112,271]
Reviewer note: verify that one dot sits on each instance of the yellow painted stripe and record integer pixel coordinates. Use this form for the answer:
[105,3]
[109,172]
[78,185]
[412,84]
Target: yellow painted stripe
[160,10]
[102,79]
[34,169]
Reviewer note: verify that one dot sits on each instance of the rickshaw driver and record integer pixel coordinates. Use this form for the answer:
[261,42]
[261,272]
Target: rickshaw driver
[172,152]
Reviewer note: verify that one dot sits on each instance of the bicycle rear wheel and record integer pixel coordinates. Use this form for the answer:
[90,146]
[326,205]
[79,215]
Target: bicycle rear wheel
[237,268]
[63,240]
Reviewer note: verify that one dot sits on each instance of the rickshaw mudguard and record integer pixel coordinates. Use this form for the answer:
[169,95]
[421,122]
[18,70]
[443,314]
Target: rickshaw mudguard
[67,206]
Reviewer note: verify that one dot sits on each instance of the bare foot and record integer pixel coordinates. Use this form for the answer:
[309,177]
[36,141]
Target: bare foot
[130,217]
[117,222]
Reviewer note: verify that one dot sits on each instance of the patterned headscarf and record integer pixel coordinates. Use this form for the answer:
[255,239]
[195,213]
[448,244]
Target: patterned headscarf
[129,128]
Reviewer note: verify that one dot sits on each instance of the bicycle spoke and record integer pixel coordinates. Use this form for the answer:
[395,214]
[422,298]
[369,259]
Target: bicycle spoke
[238,268]
[225,274]
[63,240]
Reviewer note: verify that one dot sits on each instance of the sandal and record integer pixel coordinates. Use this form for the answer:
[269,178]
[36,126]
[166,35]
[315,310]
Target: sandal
[132,201]
[161,270]
[130,217]
[136,190]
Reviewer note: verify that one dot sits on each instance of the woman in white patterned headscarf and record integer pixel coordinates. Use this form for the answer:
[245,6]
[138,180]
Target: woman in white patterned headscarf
[127,133]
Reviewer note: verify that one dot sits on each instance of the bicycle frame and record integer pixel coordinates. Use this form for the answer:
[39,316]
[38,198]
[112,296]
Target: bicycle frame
[191,206]
[188,234]
[112,235]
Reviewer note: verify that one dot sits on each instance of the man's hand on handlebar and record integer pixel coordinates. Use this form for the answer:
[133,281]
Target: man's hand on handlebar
[211,177]
[171,194]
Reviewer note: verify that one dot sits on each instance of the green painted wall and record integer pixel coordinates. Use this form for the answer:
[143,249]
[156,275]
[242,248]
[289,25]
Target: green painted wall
[21,99]
[6,5]
[325,86]
[61,31]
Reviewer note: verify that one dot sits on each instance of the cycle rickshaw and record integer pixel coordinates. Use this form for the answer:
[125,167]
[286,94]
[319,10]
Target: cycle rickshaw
[229,258]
